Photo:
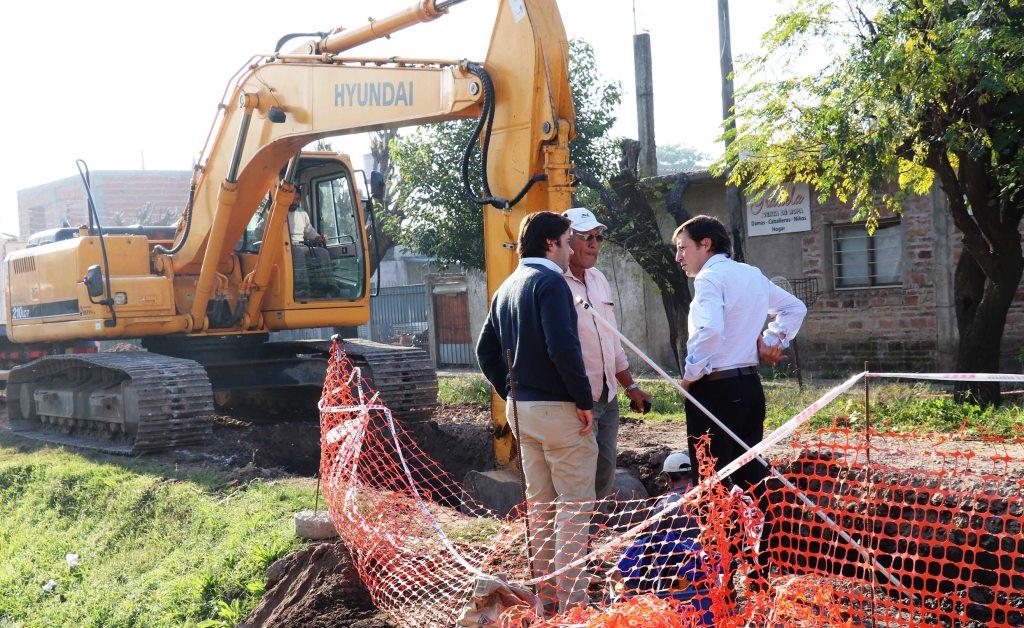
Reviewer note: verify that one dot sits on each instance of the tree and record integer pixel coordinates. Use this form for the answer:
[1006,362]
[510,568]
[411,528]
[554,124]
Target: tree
[634,211]
[674,158]
[924,91]
[381,239]
[433,215]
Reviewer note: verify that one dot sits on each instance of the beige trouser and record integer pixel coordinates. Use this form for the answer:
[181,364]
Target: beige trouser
[559,465]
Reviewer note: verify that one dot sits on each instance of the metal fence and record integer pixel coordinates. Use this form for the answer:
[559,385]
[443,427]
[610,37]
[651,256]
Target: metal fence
[398,316]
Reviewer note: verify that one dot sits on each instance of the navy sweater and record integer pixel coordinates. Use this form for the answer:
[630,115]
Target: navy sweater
[532,314]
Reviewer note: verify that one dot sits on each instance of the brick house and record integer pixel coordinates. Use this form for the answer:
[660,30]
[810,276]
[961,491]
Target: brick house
[886,299]
[122,197]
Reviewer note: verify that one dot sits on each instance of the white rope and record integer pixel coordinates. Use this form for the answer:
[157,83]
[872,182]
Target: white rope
[954,377]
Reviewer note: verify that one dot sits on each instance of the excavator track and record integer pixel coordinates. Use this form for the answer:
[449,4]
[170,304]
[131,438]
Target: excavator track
[122,403]
[404,376]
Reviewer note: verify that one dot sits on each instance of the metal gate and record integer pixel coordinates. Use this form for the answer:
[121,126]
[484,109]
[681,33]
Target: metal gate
[398,316]
[451,318]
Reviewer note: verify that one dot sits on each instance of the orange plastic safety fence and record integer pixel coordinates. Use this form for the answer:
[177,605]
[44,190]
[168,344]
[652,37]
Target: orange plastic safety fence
[943,519]
[431,555]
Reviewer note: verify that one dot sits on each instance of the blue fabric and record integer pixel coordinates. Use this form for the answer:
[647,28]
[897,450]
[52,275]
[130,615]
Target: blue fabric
[661,561]
[671,565]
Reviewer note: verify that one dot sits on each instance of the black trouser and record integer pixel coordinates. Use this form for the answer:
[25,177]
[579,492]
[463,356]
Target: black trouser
[739,403]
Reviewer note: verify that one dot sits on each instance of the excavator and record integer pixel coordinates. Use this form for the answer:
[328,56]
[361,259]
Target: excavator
[204,295]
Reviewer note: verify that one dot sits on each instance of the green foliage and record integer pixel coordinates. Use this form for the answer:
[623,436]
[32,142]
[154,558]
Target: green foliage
[436,218]
[674,158]
[156,547]
[458,389]
[666,404]
[894,407]
[923,88]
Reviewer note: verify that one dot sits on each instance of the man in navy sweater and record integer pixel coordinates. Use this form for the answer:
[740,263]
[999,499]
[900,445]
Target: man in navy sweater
[532,314]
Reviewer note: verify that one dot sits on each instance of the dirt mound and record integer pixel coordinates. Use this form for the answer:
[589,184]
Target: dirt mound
[292,446]
[458,438]
[316,586]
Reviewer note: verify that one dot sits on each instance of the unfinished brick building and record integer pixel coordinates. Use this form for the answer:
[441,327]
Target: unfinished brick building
[122,197]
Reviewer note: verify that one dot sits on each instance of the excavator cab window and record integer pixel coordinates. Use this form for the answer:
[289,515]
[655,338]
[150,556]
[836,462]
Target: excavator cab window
[331,266]
[253,236]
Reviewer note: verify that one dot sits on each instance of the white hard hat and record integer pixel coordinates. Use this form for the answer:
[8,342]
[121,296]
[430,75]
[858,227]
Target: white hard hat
[582,219]
[677,462]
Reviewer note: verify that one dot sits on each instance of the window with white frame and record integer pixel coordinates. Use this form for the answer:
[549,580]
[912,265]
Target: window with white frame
[860,260]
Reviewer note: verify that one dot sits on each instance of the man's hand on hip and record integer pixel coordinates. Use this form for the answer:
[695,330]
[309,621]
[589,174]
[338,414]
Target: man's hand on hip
[769,355]
[586,417]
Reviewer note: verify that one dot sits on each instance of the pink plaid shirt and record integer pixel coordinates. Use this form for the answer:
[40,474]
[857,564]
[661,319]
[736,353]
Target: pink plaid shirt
[603,355]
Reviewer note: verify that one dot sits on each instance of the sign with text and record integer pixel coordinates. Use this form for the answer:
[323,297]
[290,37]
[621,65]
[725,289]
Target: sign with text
[770,216]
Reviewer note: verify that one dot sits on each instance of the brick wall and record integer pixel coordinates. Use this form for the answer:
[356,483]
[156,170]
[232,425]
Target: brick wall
[890,327]
[122,197]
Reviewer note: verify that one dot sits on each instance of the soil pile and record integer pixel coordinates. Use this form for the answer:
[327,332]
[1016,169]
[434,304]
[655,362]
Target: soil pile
[316,586]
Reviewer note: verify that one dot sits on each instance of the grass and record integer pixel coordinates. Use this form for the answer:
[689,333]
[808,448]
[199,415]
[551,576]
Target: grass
[156,547]
[896,407]
[456,389]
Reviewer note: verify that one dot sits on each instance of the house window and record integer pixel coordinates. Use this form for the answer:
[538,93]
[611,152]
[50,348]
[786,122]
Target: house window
[863,261]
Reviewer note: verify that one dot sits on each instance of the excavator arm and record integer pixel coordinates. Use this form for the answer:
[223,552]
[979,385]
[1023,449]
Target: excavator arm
[196,295]
[287,101]
[520,93]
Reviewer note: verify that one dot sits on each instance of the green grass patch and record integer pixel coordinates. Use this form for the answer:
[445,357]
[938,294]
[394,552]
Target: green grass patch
[456,389]
[156,547]
[895,406]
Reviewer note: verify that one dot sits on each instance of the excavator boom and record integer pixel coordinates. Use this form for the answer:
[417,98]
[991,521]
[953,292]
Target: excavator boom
[207,282]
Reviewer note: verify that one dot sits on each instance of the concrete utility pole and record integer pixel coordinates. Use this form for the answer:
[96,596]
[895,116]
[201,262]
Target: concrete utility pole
[645,104]
[733,199]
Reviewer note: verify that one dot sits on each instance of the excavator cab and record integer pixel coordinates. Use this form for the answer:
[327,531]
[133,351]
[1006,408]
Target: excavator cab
[326,256]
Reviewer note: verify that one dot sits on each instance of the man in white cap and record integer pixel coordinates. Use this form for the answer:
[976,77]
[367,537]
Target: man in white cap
[677,471]
[603,356]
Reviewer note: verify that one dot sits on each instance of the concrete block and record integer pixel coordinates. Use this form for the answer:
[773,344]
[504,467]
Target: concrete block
[497,490]
[623,512]
[314,525]
[500,490]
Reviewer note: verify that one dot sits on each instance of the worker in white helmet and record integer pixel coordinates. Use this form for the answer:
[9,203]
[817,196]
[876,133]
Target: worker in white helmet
[668,562]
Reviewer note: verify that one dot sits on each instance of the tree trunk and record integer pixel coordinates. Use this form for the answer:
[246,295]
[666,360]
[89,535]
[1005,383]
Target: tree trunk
[380,151]
[981,308]
[633,224]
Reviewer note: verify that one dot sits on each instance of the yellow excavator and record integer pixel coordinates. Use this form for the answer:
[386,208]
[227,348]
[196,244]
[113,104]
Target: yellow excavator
[204,295]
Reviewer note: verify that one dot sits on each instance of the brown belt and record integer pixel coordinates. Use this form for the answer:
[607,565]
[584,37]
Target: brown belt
[728,373]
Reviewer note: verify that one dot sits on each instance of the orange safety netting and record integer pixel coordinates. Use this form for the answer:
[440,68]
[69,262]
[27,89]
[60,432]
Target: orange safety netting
[942,516]
[431,555]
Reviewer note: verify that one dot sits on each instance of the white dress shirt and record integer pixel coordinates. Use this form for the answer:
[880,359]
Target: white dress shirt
[730,303]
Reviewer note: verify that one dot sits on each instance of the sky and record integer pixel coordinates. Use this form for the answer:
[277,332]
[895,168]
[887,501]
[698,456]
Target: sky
[132,85]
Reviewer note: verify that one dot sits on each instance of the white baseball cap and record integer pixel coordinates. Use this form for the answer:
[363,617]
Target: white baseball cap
[582,219]
[677,462]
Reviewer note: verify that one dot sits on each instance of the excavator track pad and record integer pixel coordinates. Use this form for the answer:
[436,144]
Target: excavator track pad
[404,376]
[121,402]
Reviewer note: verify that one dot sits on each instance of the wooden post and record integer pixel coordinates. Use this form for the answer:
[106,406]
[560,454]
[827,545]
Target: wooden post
[645,105]
[733,198]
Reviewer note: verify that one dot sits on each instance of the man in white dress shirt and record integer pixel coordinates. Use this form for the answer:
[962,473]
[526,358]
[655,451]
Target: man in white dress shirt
[730,303]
